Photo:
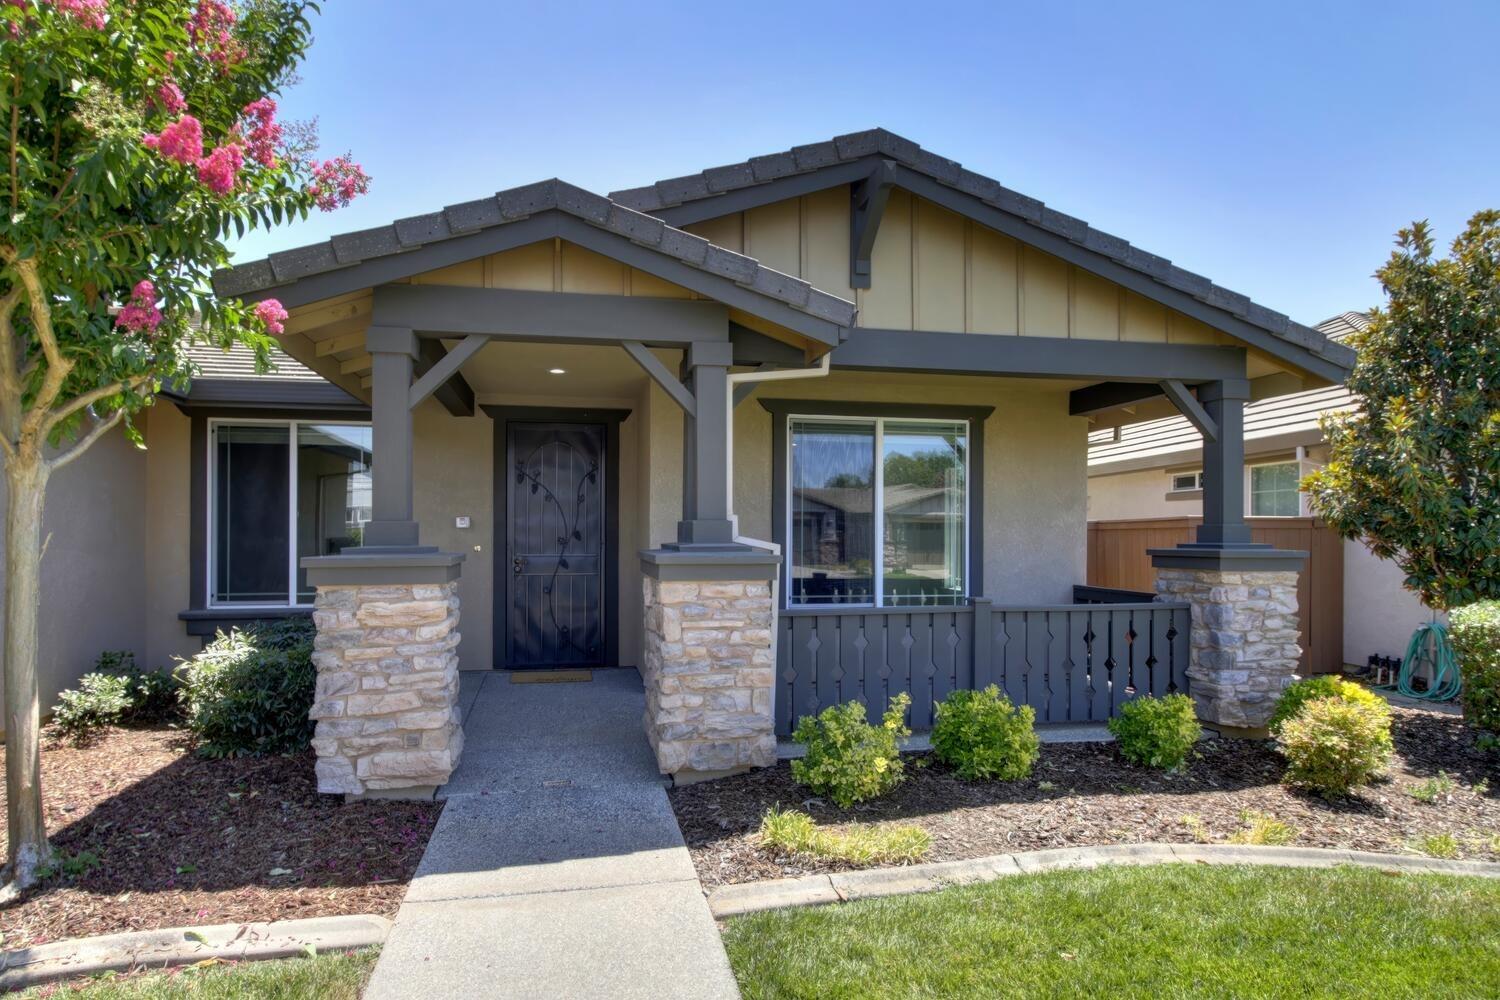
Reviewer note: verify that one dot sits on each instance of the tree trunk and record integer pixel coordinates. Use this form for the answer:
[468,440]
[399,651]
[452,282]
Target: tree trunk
[26,488]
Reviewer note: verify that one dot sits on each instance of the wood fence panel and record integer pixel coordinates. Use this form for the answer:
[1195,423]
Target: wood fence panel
[1117,558]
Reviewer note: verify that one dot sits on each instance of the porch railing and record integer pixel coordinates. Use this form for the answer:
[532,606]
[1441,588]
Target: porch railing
[1070,662]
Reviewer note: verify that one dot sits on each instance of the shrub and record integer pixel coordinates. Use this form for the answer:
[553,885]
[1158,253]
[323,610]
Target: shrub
[152,693]
[1157,732]
[1333,746]
[848,759]
[1299,693]
[980,734]
[100,700]
[793,832]
[1475,634]
[249,692]
[1259,828]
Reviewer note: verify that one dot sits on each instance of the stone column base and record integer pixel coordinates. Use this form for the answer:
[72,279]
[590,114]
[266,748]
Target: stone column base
[388,722]
[1245,631]
[709,662]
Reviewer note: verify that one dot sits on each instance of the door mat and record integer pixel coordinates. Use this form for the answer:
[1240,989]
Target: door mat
[550,676]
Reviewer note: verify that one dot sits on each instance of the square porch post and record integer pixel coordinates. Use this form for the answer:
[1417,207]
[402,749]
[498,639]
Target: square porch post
[1243,594]
[386,651]
[705,481]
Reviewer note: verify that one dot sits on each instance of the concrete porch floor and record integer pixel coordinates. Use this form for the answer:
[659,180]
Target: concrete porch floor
[557,867]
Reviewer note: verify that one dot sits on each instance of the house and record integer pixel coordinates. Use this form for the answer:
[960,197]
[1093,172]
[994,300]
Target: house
[1149,471]
[779,434]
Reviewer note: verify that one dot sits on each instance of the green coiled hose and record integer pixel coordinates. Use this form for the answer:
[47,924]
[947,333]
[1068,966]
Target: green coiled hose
[1446,682]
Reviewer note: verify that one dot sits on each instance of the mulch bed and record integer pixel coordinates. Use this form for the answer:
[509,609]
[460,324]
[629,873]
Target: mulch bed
[181,840]
[1085,794]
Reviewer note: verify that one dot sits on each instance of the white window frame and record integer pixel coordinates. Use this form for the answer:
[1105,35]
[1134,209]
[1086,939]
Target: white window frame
[212,536]
[1250,493]
[878,556]
[1197,481]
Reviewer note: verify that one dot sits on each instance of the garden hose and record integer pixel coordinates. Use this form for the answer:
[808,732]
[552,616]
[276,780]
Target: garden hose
[1446,681]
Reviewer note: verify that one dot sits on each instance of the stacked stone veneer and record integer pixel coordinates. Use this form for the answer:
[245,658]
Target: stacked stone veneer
[1244,643]
[708,671]
[387,695]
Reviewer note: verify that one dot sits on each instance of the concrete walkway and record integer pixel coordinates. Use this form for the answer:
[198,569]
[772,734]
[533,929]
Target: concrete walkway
[557,868]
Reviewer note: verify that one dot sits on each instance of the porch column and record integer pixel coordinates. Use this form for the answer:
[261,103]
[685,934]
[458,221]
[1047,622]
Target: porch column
[386,650]
[392,352]
[1243,594]
[705,485]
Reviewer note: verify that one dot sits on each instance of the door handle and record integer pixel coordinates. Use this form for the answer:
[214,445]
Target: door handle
[519,564]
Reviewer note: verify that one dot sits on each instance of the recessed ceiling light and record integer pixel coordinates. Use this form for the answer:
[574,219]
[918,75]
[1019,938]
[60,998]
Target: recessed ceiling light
[556,371]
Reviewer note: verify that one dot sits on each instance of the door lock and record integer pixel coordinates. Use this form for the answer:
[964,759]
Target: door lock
[519,563]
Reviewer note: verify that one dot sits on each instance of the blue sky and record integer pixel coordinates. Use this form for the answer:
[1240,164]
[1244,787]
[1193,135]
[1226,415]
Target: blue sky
[1275,147]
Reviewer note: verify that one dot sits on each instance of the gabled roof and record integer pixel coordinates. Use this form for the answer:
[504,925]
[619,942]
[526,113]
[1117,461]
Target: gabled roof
[1270,424]
[717,182]
[230,378]
[406,236]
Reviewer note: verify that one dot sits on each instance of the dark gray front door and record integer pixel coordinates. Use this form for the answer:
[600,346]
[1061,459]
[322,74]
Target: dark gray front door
[555,544]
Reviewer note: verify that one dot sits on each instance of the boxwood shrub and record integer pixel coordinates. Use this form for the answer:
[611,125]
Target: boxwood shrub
[1299,693]
[848,759]
[1475,634]
[250,690]
[1157,732]
[1333,746]
[980,734]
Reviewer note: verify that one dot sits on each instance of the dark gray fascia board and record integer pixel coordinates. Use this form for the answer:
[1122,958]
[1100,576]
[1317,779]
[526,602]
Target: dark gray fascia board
[744,199]
[1092,399]
[751,347]
[568,317]
[1036,357]
[852,408]
[269,394]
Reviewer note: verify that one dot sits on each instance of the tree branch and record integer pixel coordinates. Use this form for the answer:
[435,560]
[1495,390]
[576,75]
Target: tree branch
[89,398]
[82,444]
[58,366]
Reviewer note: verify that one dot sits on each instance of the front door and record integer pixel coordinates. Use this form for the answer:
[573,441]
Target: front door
[555,544]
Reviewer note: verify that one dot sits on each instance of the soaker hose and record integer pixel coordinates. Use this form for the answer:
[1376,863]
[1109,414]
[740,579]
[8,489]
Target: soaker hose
[1446,681]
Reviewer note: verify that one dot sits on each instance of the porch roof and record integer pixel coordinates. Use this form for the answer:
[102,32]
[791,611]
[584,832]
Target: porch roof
[371,257]
[802,169]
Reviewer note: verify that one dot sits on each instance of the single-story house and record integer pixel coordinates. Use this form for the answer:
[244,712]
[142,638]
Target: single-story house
[783,433]
[1152,470]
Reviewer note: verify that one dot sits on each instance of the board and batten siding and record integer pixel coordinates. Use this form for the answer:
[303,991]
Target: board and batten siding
[933,269]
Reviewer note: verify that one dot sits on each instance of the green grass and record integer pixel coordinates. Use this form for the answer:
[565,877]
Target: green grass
[1161,931]
[793,832]
[335,976]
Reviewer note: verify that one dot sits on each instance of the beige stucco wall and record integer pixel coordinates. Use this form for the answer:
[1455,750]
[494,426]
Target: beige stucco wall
[1379,613]
[92,574]
[1034,521]
[1129,495]
[168,538]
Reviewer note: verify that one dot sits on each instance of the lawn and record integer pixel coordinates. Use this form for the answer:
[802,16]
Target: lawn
[338,976]
[1166,931]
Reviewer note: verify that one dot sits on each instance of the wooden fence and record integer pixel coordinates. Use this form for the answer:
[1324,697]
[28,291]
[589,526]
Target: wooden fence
[1117,559]
[1071,662]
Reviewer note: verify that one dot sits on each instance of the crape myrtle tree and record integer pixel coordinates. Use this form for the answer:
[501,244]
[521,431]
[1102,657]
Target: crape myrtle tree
[1415,466]
[139,135]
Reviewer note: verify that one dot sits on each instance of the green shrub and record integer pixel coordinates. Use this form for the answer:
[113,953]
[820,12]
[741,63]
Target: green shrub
[1157,732]
[1475,634]
[1260,828]
[152,693]
[1333,746]
[249,692]
[980,734]
[848,759]
[1299,693]
[795,833]
[100,700]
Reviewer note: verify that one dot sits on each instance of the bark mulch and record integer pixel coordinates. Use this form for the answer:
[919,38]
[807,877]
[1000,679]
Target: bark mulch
[159,837]
[1085,794]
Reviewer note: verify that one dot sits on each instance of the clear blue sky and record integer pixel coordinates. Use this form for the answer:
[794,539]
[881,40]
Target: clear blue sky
[1275,147]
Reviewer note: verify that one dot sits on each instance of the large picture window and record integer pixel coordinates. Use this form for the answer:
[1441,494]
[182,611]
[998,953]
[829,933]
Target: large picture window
[280,491]
[878,511]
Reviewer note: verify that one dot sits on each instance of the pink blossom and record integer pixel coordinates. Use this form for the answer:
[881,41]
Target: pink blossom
[140,315]
[181,141]
[337,182]
[211,30]
[89,13]
[270,312]
[169,98]
[220,169]
[265,132]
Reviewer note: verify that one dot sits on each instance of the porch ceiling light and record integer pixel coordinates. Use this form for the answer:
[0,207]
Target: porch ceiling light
[557,371]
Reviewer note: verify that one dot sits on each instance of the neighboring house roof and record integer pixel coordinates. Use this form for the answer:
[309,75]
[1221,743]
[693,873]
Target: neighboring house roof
[860,499]
[230,378]
[405,236]
[718,182]
[1270,424]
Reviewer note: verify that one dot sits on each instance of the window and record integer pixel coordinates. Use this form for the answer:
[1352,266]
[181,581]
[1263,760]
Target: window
[1187,481]
[1273,490]
[280,491]
[878,511]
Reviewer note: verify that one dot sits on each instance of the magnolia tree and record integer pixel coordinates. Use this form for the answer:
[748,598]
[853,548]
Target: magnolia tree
[1414,469]
[138,136]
